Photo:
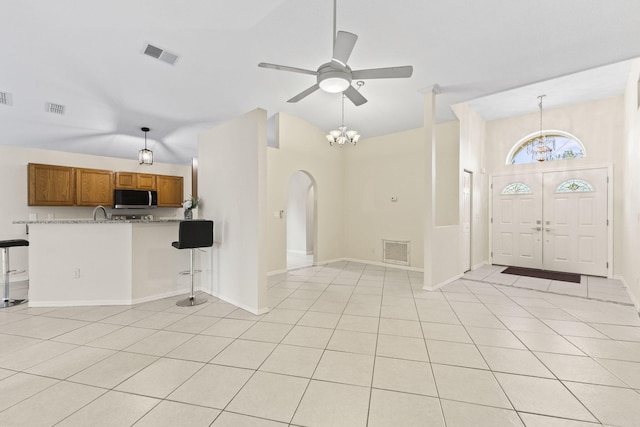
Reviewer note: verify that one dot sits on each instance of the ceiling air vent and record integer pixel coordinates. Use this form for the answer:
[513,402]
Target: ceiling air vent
[161,54]
[5,98]
[55,108]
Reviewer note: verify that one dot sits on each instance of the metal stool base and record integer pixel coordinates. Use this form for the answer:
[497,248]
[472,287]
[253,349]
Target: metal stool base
[191,301]
[12,302]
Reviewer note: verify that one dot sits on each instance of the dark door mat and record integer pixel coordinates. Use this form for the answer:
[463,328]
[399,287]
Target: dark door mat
[543,274]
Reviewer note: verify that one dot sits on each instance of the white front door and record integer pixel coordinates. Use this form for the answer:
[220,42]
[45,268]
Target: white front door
[575,221]
[551,220]
[517,220]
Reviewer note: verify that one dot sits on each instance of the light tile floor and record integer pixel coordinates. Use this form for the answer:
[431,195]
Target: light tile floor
[345,344]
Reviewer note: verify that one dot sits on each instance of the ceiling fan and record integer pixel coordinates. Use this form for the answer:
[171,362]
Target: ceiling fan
[335,76]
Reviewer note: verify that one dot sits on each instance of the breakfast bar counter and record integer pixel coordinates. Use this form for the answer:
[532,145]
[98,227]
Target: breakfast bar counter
[103,262]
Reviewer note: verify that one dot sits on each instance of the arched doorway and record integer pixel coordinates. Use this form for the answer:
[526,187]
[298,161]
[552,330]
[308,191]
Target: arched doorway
[301,219]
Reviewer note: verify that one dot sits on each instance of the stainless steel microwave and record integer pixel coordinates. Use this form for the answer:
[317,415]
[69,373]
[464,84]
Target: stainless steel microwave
[135,199]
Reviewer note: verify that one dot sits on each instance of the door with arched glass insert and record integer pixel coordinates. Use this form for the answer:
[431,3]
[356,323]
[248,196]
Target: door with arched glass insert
[552,220]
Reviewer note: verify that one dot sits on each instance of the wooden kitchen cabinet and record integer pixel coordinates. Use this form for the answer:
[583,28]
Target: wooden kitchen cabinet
[135,181]
[94,187]
[51,185]
[170,190]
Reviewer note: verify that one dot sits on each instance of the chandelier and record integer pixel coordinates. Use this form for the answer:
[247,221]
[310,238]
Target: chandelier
[541,149]
[342,135]
[145,157]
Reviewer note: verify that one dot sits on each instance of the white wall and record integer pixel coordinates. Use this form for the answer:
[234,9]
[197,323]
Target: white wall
[14,189]
[232,187]
[303,147]
[628,268]
[376,170]
[599,125]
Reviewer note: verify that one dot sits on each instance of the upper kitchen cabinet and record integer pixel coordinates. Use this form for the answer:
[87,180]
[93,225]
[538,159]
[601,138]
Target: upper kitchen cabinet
[135,181]
[51,185]
[94,187]
[170,190]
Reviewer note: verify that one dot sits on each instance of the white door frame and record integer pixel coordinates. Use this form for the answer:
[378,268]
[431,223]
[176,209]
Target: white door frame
[610,216]
[462,216]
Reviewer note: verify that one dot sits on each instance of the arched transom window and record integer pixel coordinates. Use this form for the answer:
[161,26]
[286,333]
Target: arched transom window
[516,188]
[563,144]
[574,186]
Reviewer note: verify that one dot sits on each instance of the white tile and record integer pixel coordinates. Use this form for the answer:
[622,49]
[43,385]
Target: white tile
[494,337]
[21,386]
[52,405]
[532,420]
[353,342]
[402,348]
[292,360]
[160,343]
[308,337]
[121,338]
[347,368]
[460,414]
[454,353]
[244,354]
[611,405]
[350,322]
[71,362]
[403,328]
[270,396]
[469,385]
[87,333]
[404,376]
[34,355]
[547,343]
[327,404]
[230,328]
[389,408]
[629,372]
[213,386]
[283,315]
[268,332]
[229,419]
[111,409]
[514,361]
[193,324]
[170,414]
[160,378]
[113,370]
[158,320]
[606,349]
[200,348]
[542,396]
[579,369]
[445,332]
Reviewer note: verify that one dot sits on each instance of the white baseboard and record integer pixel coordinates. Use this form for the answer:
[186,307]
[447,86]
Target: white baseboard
[276,272]
[242,306]
[480,264]
[441,284]
[634,300]
[384,264]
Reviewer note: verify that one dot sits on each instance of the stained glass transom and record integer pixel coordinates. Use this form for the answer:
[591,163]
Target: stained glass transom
[574,186]
[516,188]
[564,145]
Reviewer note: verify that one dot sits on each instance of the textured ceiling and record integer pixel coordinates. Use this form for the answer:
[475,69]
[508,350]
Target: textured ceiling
[87,55]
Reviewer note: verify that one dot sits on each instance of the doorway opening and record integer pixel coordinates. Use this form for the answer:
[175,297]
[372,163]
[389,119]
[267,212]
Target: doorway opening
[301,220]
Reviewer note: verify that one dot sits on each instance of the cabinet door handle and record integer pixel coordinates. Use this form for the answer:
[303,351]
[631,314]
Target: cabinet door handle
[548,229]
[536,228]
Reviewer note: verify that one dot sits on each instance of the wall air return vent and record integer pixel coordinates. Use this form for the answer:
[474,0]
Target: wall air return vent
[5,98]
[396,251]
[55,108]
[161,54]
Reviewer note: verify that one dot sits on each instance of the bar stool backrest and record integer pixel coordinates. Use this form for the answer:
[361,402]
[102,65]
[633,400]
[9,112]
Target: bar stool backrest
[196,233]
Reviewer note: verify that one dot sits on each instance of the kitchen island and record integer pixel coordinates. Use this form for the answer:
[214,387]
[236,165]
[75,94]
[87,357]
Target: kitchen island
[104,262]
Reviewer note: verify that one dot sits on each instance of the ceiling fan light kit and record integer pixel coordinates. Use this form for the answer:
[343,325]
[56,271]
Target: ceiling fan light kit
[336,76]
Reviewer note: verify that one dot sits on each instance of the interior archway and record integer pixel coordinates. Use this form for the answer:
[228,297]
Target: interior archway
[301,220]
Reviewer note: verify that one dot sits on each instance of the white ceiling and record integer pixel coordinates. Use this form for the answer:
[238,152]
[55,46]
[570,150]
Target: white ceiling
[87,55]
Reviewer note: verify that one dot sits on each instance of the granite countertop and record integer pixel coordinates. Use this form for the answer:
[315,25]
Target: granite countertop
[99,221]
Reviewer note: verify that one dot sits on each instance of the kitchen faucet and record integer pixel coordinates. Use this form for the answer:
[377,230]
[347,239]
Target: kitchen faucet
[95,211]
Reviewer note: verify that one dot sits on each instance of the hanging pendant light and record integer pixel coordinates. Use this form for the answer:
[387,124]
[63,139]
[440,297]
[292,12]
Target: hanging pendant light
[145,157]
[342,135]
[543,147]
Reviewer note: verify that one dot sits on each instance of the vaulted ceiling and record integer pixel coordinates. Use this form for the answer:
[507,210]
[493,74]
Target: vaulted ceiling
[88,56]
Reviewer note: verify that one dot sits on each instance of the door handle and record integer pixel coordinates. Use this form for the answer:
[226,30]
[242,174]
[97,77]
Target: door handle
[536,228]
[548,229]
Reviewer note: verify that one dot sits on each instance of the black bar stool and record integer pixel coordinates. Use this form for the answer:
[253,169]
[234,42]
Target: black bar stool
[5,245]
[194,234]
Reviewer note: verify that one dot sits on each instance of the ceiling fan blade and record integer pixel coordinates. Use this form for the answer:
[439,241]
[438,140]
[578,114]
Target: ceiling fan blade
[343,46]
[354,96]
[383,73]
[304,93]
[286,68]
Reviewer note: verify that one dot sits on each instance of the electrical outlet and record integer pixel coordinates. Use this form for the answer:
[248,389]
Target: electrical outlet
[76,273]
